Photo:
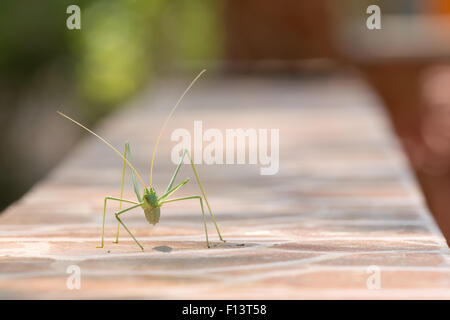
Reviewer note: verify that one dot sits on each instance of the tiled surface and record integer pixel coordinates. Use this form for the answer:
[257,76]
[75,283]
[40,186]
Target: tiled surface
[342,201]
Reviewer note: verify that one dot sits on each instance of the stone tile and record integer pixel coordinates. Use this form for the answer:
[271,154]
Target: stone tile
[398,259]
[343,200]
[355,245]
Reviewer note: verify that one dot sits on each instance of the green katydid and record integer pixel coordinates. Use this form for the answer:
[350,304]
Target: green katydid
[149,201]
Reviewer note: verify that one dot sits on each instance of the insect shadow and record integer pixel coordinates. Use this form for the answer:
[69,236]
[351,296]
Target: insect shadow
[165,249]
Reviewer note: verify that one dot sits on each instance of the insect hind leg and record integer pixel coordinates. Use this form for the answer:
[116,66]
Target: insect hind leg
[186,152]
[127,157]
[204,194]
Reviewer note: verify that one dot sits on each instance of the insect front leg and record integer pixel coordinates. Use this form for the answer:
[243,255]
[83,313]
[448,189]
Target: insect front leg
[104,214]
[123,224]
[203,212]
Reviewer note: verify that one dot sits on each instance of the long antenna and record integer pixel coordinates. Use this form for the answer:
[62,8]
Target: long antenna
[167,120]
[107,143]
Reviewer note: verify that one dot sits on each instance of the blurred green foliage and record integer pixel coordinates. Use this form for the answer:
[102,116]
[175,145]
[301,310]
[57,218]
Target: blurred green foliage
[121,44]
[32,33]
[113,56]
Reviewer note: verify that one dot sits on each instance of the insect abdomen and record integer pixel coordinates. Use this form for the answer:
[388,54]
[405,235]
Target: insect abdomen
[152,215]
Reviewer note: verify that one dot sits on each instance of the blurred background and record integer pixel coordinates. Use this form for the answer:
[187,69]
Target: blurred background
[125,45]
[121,48]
